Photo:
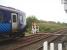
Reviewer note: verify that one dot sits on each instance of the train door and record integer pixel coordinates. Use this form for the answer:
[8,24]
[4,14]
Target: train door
[14,18]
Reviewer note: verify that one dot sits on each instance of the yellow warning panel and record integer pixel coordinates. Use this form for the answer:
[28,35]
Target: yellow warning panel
[15,30]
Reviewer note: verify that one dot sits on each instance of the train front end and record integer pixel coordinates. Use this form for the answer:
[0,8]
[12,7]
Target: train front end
[12,22]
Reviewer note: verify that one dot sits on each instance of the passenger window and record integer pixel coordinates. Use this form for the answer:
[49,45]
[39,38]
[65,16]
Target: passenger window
[1,18]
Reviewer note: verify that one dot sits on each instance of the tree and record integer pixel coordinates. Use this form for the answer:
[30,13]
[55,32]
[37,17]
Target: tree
[31,19]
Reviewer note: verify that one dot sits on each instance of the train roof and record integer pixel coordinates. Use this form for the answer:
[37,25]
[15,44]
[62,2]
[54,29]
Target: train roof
[11,9]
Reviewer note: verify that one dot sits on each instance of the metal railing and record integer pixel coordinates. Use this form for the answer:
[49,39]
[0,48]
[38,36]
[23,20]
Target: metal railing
[52,46]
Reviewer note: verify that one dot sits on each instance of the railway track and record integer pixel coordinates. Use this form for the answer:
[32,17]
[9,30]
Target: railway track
[31,42]
[60,38]
[23,42]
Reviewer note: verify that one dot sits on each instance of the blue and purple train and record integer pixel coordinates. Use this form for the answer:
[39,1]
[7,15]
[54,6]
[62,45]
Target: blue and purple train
[12,22]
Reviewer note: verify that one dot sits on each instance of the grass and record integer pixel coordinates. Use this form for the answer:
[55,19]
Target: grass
[50,27]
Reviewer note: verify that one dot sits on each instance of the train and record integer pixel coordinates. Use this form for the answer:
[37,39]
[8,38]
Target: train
[12,22]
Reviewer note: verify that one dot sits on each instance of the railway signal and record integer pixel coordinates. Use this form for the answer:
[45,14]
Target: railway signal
[35,27]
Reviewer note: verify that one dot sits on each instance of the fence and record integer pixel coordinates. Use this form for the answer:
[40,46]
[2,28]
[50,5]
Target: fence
[53,46]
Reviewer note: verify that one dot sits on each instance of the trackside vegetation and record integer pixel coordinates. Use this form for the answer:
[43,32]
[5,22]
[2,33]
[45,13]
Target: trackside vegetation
[44,26]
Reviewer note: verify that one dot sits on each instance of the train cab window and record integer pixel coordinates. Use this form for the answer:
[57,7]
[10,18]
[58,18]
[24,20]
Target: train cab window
[21,19]
[14,18]
[24,19]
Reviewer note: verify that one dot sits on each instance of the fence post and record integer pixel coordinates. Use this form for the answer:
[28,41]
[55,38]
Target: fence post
[59,46]
[51,46]
[45,45]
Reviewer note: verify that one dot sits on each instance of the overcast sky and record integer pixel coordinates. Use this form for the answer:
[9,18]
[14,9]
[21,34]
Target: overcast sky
[50,10]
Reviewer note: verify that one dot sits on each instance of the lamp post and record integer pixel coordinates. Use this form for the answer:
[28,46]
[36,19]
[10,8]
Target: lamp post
[65,5]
